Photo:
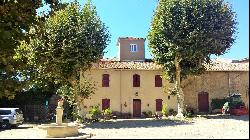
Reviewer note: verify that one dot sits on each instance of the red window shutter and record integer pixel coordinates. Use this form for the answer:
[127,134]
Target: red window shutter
[136,80]
[105,80]
[158,81]
[158,104]
[105,104]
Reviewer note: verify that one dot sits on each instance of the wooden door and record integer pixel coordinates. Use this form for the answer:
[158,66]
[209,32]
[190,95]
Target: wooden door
[136,108]
[203,104]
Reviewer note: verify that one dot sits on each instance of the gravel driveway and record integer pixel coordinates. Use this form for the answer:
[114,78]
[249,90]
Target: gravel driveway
[205,126]
[211,126]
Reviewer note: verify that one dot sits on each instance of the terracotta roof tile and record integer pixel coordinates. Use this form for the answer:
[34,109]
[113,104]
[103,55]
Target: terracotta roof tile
[213,66]
[225,66]
[127,65]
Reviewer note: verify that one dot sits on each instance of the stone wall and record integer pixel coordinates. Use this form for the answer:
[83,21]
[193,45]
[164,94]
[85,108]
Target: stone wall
[218,84]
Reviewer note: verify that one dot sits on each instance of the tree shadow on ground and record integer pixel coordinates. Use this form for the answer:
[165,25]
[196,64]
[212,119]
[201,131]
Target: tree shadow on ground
[136,124]
[26,127]
[226,116]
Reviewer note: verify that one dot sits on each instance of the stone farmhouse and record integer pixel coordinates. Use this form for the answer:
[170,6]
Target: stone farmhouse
[132,84]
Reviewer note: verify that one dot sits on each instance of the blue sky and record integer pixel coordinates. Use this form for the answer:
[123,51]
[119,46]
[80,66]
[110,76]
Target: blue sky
[133,17]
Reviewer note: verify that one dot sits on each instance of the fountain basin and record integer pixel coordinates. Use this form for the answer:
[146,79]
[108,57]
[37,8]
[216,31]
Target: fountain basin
[60,131]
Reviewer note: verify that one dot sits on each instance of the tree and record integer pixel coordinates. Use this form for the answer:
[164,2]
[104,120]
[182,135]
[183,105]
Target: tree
[16,18]
[184,34]
[66,45]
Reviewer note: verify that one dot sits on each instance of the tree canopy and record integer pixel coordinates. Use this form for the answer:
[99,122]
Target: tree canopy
[69,42]
[185,33]
[16,18]
[193,29]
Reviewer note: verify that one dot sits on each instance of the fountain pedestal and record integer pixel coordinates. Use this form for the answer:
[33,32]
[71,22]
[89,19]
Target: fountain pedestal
[59,129]
[59,114]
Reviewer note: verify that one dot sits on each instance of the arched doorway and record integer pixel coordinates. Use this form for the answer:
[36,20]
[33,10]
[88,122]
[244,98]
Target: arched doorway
[203,104]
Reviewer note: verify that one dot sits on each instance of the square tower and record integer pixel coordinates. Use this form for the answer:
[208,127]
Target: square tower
[131,49]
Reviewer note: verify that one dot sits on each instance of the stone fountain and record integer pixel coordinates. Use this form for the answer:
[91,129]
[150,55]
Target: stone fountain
[60,129]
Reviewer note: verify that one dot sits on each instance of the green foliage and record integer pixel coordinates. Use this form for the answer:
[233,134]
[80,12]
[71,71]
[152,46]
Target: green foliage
[218,103]
[16,19]
[67,44]
[147,113]
[107,114]
[164,110]
[96,113]
[194,30]
[185,33]
[171,111]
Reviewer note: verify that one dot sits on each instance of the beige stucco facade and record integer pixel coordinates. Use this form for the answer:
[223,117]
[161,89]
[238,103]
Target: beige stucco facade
[218,84]
[220,79]
[121,91]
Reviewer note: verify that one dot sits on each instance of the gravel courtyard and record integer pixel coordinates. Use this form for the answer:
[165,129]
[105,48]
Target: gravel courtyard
[205,126]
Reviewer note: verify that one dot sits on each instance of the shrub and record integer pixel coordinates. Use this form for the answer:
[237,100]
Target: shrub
[164,110]
[107,113]
[189,112]
[149,113]
[171,111]
[96,113]
[218,103]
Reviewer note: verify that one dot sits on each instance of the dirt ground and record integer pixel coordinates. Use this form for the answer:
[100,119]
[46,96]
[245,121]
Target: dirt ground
[205,126]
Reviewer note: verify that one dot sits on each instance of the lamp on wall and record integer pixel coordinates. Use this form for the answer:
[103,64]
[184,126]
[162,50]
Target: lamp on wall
[125,104]
[136,93]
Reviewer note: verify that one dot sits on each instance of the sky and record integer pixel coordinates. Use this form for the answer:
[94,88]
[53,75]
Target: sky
[131,18]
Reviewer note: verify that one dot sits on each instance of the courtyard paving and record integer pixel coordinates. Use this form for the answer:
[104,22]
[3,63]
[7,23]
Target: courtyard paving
[200,127]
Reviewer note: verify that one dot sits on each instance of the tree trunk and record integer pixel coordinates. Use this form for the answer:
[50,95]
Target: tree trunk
[76,86]
[180,95]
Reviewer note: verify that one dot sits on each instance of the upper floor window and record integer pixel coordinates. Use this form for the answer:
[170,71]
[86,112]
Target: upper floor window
[136,80]
[158,81]
[133,48]
[105,80]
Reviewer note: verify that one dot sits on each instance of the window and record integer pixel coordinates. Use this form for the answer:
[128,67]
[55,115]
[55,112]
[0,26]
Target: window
[158,81]
[158,104]
[5,112]
[133,48]
[105,104]
[105,80]
[136,80]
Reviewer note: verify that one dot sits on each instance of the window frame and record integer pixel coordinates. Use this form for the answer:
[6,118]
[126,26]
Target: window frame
[104,101]
[158,81]
[136,80]
[133,48]
[105,80]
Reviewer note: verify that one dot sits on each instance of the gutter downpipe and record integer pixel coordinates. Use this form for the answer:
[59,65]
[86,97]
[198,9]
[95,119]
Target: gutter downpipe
[120,91]
[228,84]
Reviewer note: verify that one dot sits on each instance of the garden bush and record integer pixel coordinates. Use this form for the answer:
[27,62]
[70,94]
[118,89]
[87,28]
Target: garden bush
[107,114]
[218,103]
[96,113]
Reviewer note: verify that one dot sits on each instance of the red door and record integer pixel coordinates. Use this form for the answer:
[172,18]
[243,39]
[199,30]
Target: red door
[136,108]
[203,104]
[105,104]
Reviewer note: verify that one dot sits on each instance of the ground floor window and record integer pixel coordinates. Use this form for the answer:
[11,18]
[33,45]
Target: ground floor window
[158,104]
[105,104]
